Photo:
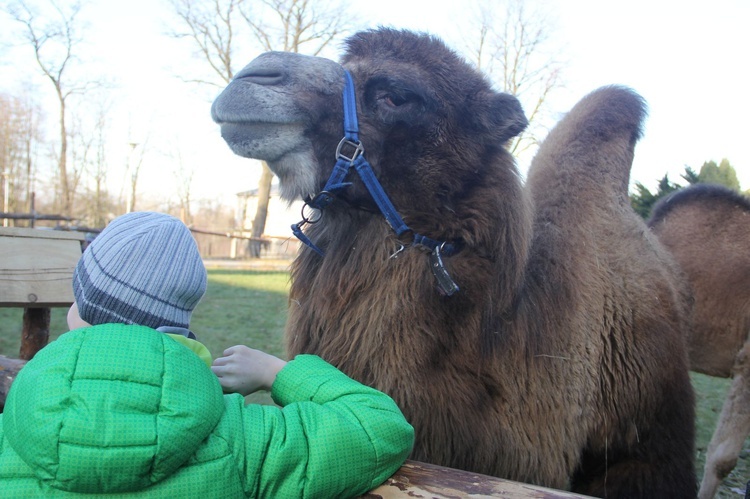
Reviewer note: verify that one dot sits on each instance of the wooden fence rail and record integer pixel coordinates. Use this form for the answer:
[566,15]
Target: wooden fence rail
[416,479]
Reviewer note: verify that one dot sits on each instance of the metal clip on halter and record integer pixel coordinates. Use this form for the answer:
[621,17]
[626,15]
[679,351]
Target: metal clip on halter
[309,219]
[446,286]
[359,150]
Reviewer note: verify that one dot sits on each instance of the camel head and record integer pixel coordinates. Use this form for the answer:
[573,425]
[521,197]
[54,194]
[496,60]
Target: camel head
[424,114]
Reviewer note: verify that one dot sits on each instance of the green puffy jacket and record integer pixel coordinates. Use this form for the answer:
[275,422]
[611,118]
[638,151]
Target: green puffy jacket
[126,410]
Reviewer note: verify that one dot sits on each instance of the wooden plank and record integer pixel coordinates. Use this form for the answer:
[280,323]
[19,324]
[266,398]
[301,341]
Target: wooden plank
[41,233]
[416,479]
[36,267]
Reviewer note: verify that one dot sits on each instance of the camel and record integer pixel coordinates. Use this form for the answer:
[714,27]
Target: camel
[531,332]
[707,229]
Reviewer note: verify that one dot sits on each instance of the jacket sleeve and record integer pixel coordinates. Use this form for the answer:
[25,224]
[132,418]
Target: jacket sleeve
[332,436]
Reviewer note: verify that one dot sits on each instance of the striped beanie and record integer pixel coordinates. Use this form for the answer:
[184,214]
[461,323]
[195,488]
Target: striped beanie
[144,268]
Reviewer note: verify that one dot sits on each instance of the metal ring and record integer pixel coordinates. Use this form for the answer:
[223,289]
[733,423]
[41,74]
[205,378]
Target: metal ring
[312,219]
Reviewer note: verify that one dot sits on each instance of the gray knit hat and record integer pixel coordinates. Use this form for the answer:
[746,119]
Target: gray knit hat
[144,268]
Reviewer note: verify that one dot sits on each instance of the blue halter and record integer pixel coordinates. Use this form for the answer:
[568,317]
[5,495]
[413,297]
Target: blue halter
[345,161]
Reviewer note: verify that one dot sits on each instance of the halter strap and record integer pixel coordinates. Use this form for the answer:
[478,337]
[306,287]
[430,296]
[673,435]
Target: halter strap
[350,154]
[351,126]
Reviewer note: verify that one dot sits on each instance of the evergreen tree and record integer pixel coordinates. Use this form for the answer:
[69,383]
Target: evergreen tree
[709,172]
[722,174]
[690,176]
[643,200]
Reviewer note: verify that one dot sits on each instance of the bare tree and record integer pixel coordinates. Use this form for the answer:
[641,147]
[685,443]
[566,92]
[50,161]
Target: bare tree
[300,25]
[135,161]
[32,137]
[99,174]
[20,136]
[54,42]
[96,167]
[80,153]
[512,46]
[289,25]
[11,150]
[184,178]
[211,27]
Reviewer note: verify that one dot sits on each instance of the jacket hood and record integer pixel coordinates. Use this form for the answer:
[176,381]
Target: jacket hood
[111,408]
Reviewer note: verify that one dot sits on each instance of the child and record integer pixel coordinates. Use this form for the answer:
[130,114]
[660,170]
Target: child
[116,406]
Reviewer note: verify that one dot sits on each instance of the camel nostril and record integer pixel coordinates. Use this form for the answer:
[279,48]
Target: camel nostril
[262,77]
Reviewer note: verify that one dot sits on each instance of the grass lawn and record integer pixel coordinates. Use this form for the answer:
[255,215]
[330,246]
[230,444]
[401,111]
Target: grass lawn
[710,393]
[249,307]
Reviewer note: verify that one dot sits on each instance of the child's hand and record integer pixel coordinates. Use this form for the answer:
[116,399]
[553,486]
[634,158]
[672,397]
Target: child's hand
[244,370]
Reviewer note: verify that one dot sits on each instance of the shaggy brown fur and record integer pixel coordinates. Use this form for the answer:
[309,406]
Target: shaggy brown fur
[560,361]
[707,229]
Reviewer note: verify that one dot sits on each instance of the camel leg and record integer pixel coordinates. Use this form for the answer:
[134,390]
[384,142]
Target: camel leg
[732,428]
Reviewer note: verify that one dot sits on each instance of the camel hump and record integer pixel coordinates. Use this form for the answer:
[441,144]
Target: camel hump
[715,195]
[607,113]
[591,148]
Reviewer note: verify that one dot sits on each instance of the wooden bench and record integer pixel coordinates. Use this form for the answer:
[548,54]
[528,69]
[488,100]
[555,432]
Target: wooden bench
[36,268]
[416,479]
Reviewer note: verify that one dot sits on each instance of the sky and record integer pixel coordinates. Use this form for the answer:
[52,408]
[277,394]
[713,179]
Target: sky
[684,57]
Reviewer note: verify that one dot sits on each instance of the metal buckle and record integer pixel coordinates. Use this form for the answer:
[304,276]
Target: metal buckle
[359,150]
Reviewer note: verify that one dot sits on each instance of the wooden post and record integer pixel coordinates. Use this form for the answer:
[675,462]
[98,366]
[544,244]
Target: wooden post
[35,332]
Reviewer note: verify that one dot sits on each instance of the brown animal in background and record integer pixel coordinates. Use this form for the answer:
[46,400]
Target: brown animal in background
[707,229]
[560,360]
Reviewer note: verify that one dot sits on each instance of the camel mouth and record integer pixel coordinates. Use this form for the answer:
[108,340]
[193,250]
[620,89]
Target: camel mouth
[260,140]
[256,123]
[225,115]
[288,154]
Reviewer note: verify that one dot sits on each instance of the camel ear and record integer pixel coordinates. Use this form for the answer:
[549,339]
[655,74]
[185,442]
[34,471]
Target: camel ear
[506,117]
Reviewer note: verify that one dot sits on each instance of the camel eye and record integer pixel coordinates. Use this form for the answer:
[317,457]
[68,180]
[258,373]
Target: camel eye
[392,99]
[395,100]
[394,103]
